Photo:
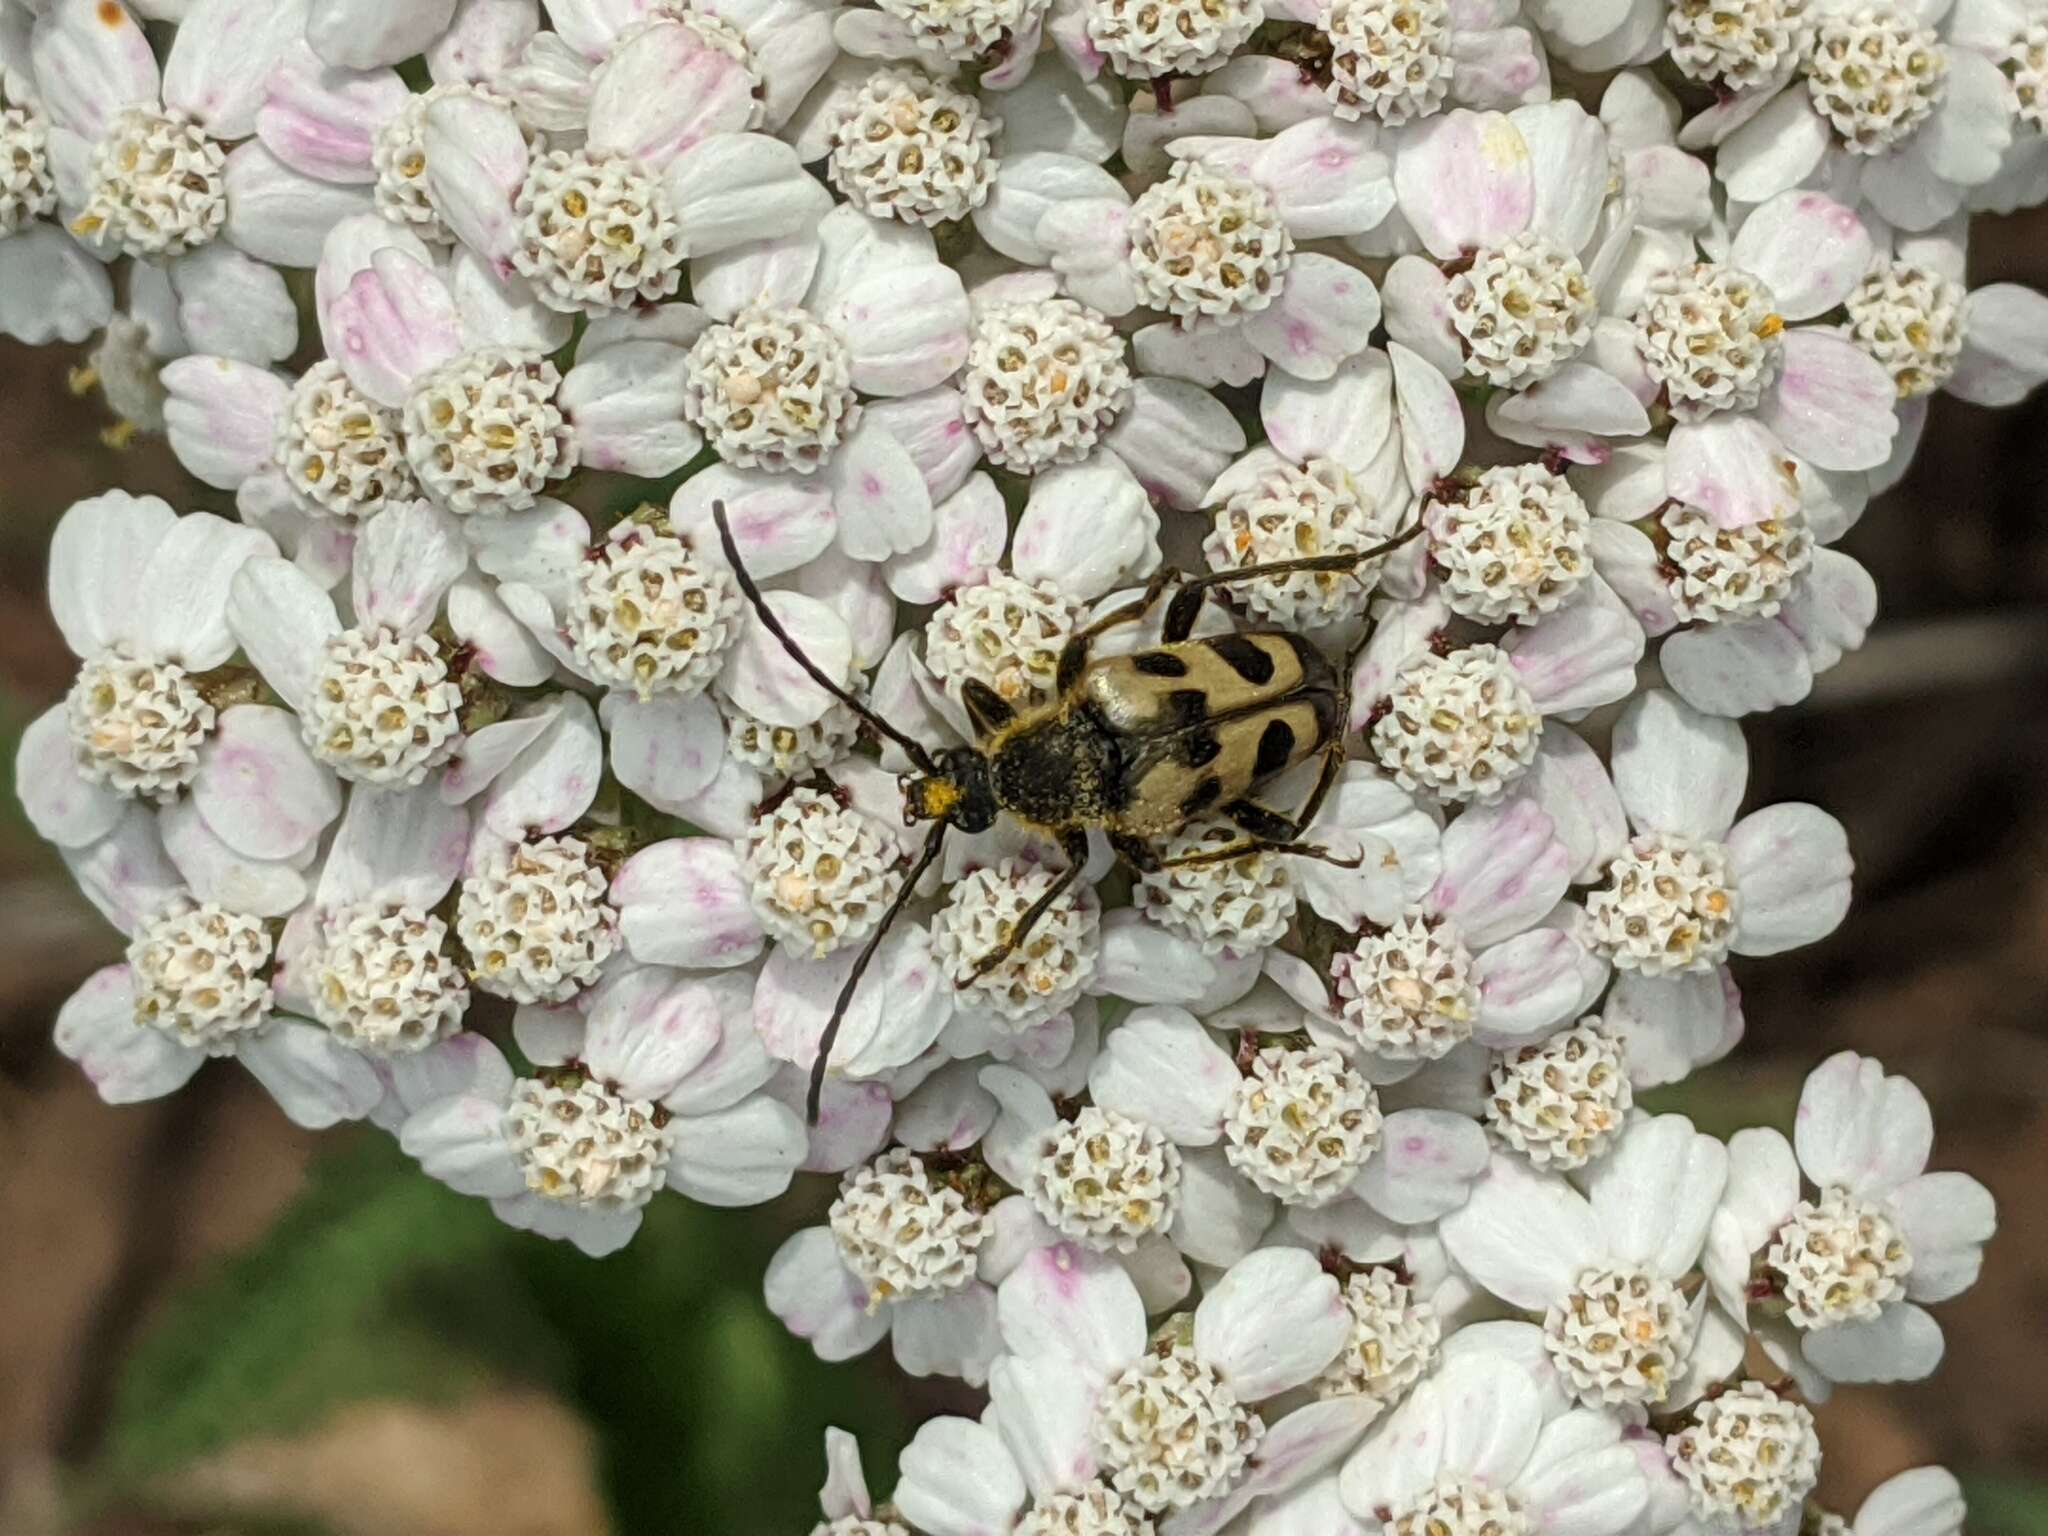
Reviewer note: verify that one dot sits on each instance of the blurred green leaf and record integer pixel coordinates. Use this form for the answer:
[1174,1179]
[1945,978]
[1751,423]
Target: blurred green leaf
[2006,1506]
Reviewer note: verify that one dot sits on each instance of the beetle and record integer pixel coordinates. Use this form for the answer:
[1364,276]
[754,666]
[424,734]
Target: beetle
[1134,745]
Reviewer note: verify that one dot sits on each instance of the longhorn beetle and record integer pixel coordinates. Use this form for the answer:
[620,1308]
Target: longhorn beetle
[1135,745]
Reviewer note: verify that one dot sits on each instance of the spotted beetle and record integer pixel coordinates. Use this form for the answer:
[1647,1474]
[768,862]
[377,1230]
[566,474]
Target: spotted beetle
[1134,745]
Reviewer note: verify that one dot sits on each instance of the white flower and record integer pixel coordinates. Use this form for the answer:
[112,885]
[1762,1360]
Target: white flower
[914,149]
[534,920]
[1180,37]
[1603,1268]
[1925,1500]
[1459,726]
[1269,510]
[1747,1458]
[1480,1446]
[820,872]
[1849,1269]
[1040,977]
[655,1082]
[51,288]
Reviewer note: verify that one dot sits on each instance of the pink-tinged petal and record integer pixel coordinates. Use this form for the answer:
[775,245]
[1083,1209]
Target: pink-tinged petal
[879,495]
[666,749]
[1947,1218]
[1860,1128]
[1425,1166]
[317,1081]
[1810,250]
[222,417]
[1738,667]
[126,1062]
[2005,345]
[905,330]
[1903,1343]
[458,1141]
[400,846]
[626,403]
[1465,181]
[1571,785]
[1503,869]
[1160,1066]
[1026,188]
[1088,528]
[1498,67]
[1403,634]
[351,247]
[91,60]
[818,1299]
[1678,770]
[853,1121]
[1733,469]
[1176,438]
[969,530]
[1069,1306]
[484,41]
[500,645]
[125,874]
[739,1065]
[683,902]
[51,288]
[363,34]
[742,186]
[781,523]
[1527,987]
[1415,292]
[229,305]
[1329,179]
[1525,1236]
[1833,403]
[765,681]
[98,557]
[405,559]
[551,784]
[1346,417]
[647,1031]
[1581,656]
[1044,1411]
[931,429]
[323,121]
[1326,311]
[1574,411]
[277,214]
[259,789]
[1776,149]
[1792,867]
[665,91]
[63,805]
[1208,356]
[282,620]
[1674,1025]
[1568,162]
[222,57]
[950,1111]
[476,162]
[1272,1322]
[1431,419]
[901,1005]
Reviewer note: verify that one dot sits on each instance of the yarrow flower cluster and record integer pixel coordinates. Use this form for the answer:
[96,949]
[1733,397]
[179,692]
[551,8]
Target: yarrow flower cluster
[1121,624]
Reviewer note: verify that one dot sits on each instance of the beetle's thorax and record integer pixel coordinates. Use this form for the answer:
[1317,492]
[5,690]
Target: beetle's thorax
[1056,771]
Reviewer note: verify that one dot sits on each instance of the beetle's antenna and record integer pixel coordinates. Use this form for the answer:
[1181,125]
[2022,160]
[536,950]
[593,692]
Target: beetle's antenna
[845,999]
[918,756]
[1306,564]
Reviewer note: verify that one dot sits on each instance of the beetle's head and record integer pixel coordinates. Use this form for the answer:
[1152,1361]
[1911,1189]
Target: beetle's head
[959,792]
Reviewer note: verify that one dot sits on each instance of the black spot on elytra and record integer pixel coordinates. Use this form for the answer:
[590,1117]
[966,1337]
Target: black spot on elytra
[1245,657]
[1204,796]
[1199,748]
[1159,664]
[1276,746]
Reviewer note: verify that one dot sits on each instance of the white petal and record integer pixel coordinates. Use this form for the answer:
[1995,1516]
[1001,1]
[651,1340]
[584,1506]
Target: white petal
[1654,1194]
[1737,668]
[1346,417]
[316,1080]
[1176,438]
[1583,1478]
[222,417]
[957,1479]
[818,1299]
[406,558]
[1774,150]
[880,497]
[277,214]
[125,1062]
[1571,785]
[740,1156]
[1926,1501]
[932,431]
[1677,770]
[765,681]
[1733,469]
[484,40]
[1901,1344]
[1026,187]
[895,1014]
[233,306]
[259,789]
[62,804]
[1861,1129]
[626,402]
[683,902]
[1528,986]
[1673,1025]
[1525,1236]
[666,749]
[1574,411]
[223,55]
[664,91]
[477,160]
[1810,250]
[1274,1320]
[1569,163]
[1792,868]
[51,288]
[1425,1165]
[98,558]
[1431,418]
[361,34]
[402,846]
[741,186]
[2005,345]
[1088,528]
[1222,1215]
[125,874]
[91,61]
[1946,1218]
[905,329]
[1328,179]
[1325,312]
[1161,1067]
[1833,403]
[969,530]
[1045,1413]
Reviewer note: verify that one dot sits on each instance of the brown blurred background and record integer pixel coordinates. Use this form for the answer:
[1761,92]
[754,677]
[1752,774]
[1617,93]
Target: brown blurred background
[206,1325]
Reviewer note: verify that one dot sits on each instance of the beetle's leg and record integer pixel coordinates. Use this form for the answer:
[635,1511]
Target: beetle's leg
[1075,846]
[1258,821]
[1245,847]
[845,999]
[1074,654]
